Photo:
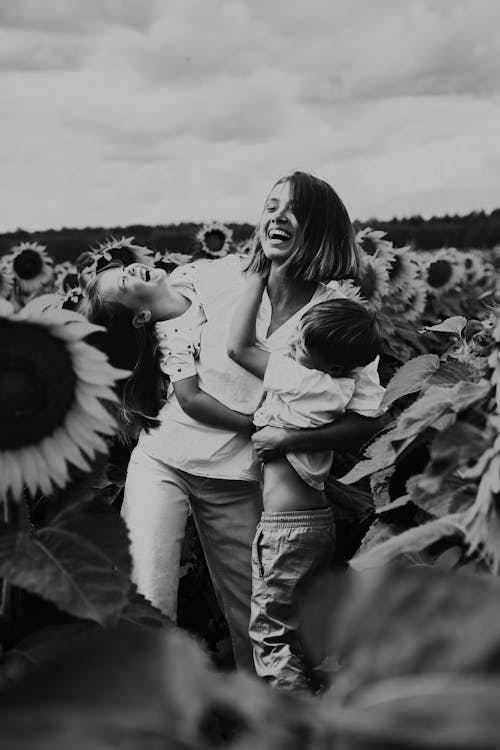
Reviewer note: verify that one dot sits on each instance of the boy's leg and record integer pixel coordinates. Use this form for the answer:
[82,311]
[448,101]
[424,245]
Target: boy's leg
[155,509]
[289,547]
[226,514]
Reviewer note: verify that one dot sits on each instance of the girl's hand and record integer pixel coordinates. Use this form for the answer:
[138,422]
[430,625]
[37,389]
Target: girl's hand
[270,443]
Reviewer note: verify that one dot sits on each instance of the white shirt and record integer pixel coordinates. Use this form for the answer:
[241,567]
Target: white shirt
[300,397]
[207,451]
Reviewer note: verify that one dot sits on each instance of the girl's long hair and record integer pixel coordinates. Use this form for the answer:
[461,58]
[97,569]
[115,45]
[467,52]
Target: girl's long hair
[129,348]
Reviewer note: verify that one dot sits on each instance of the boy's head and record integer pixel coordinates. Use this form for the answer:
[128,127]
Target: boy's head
[336,336]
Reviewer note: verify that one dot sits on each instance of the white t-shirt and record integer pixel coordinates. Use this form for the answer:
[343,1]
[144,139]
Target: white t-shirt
[299,397]
[198,449]
[179,340]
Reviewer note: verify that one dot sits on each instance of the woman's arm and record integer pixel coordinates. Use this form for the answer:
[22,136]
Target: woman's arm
[241,343]
[348,433]
[205,409]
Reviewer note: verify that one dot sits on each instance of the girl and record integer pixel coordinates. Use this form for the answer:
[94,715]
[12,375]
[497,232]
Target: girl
[309,388]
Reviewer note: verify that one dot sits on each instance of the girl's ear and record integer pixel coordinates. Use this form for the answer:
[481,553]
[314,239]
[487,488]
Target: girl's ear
[141,318]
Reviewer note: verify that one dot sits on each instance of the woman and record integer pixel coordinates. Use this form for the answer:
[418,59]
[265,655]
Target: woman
[304,238]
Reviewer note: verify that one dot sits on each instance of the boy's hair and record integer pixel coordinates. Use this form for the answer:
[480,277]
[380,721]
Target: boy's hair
[342,331]
[326,248]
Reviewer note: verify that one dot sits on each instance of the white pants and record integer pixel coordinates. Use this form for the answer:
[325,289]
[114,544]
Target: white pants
[156,505]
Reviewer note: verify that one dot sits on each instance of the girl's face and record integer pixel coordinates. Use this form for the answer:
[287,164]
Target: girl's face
[279,227]
[136,286]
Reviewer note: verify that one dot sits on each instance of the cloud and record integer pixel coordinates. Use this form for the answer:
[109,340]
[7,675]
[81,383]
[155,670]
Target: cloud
[332,50]
[34,52]
[193,110]
[77,17]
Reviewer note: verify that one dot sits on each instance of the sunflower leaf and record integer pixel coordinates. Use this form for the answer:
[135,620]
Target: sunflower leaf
[458,446]
[451,373]
[454,325]
[410,377]
[79,562]
[412,540]
[450,495]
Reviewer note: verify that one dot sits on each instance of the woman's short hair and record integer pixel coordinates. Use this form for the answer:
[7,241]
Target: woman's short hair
[130,348]
[342,331]
[326,248]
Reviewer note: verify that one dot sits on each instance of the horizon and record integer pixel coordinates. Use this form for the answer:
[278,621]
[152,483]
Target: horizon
[120,114]
[374,219]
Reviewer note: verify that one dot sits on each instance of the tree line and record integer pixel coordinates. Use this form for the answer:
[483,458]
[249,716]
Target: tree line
[477,229]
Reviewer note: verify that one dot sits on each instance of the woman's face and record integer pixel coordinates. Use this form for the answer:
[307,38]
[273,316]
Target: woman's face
[279,227]
[136,286]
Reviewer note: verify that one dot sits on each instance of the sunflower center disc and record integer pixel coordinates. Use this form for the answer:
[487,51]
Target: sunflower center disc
[37,383]
[28,264]
[369,246]
[214,240]
[439,273]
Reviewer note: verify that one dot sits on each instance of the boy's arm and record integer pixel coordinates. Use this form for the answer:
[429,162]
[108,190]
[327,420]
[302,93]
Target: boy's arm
[205,409]
[241,343]
[348,433]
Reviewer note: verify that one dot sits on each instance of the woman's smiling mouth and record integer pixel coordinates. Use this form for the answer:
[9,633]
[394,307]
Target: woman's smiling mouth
[278,235]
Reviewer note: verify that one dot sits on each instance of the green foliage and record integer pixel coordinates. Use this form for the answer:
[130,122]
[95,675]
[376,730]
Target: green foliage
[79,561]
[455,414]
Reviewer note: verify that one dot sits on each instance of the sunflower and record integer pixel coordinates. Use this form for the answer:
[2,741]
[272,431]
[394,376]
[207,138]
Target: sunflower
[346,288]
[441,274]
[122,250]
[456,257]
[66,277]
[403,271]
[415,300]
[6,279]
[31,266]
[372,241]
[473,266]
[373,280]
[215,239]
[52,389]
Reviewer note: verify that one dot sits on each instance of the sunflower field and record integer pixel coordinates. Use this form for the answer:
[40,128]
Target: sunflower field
[403,632]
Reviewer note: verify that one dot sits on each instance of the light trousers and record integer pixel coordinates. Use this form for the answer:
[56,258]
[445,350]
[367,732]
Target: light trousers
[157,502]
[290,547]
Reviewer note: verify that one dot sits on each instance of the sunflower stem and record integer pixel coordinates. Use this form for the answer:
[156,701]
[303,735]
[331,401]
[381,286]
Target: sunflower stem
[9,602]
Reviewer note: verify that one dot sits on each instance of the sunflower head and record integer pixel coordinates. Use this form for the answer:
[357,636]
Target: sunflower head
[122,250]
[403,271]
[415,300]
[215,239]
[31,266]
[441,275]
[52,389]
[66,277]
[372,242]
[373,281]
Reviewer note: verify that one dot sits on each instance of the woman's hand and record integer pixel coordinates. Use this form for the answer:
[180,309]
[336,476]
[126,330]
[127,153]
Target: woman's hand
[270,443]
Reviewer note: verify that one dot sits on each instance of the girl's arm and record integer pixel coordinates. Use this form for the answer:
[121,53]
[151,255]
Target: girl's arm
[348,433]
[205,409]
[241,343]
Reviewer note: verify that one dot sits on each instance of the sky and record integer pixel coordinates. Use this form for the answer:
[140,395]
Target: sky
[118,112]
